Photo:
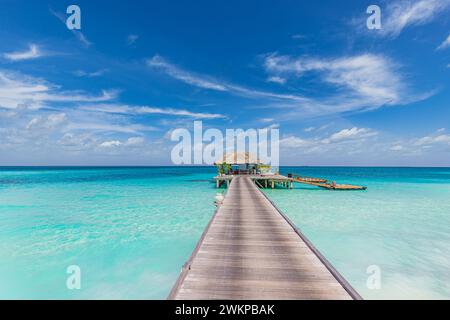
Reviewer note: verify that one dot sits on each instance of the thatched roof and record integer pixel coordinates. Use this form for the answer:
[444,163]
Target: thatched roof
[236,158]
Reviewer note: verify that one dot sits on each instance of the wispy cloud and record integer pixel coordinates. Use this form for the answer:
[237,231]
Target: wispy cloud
[434,143]
[365,82]
[340,137]
[207,82]
[33,52]
[445,44]
[18,90]
[143,110]
[99,126]
[439,137]
[93,74]
[350,135]
[187,77]
[407,13]
[298,36]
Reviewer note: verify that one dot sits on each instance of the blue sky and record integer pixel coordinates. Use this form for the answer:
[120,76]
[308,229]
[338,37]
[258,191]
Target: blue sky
[111,93]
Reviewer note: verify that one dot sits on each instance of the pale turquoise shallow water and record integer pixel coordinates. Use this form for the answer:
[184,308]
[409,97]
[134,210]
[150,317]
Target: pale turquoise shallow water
[131,229]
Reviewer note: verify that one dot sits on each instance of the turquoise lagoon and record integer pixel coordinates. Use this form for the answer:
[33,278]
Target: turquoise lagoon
[131,229]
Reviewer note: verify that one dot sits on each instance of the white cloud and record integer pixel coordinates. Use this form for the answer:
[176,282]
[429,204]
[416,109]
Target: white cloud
[49,122]
[207,82]
[17,89]
[93,74]
[364,82]
[407,13]
[187,77]
[444,44]
[135,141]
[366,75]
[350,134]
[434,139]
[109,144]
[276,79]
[178,112]
[32,53]
[296,142]
[397,148]
[142,110]
[354,135]
[99,126]
[131,142]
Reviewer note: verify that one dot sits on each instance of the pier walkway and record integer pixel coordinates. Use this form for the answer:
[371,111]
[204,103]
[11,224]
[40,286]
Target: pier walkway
[250,250]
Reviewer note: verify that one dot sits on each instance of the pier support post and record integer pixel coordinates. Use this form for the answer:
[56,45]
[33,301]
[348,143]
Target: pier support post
[217,184]
[228,183]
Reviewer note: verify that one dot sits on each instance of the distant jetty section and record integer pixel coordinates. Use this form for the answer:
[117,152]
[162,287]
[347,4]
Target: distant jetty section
[264,176]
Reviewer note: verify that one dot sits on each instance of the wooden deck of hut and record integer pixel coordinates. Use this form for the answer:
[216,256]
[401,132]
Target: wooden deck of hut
[250,250]
[261,180]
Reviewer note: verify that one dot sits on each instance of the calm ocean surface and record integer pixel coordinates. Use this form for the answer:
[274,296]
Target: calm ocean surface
[131,229]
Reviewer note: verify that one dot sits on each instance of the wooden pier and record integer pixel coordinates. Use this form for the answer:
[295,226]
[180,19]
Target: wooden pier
[251,250]
[322,183]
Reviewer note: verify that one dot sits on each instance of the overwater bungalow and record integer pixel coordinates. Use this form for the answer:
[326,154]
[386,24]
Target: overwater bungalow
[235,164]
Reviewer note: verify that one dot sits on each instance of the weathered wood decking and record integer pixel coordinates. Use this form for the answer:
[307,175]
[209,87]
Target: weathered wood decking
[250,250]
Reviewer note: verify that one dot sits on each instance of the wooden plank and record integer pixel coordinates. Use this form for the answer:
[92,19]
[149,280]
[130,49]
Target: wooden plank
[250,250]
